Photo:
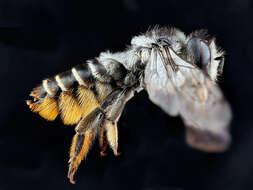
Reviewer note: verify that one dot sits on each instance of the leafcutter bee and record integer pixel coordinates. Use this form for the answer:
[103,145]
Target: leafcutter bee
[179,73]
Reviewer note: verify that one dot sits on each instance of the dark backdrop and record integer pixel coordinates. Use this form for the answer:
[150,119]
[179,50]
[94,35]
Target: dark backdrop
[39,38]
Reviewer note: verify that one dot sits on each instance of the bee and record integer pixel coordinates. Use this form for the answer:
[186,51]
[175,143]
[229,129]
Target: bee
[179,73]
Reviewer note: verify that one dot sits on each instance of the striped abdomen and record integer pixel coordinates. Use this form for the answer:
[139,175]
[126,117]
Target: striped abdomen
[72,94]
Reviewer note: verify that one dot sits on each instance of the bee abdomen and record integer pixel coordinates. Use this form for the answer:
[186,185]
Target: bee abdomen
[78,75]
[73,93]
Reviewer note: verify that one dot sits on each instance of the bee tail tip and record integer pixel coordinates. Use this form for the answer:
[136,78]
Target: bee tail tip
[29,102]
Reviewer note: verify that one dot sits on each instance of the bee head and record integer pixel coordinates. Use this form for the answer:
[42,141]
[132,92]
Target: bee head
[159,38]
[172,37]
[197,48]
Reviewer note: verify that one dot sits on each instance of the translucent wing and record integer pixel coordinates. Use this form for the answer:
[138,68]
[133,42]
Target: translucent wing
[159,87]
[206,115]
[189,92]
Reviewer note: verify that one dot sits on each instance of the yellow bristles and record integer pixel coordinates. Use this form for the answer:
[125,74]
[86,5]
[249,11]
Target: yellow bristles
[85,148]
[72,148]
[47,109]
[87,100]
[83,152]
[69,108]
[103,141]
[76,158]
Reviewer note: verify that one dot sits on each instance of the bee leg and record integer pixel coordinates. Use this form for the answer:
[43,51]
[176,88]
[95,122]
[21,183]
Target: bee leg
[113,113]
[103,141]
[105,116]
[86,132]
[92,121]
[79,149]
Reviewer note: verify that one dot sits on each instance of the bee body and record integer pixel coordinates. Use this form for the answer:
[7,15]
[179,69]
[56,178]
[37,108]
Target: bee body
[96,78]
[178,72]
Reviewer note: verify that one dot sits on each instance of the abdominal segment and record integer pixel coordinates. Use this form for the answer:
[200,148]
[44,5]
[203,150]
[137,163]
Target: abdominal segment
[72,94]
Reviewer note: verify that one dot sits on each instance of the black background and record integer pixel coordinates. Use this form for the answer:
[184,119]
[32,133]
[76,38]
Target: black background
[40,38]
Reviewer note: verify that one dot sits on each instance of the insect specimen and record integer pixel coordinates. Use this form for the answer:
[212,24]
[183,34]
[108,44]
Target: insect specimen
[179,73]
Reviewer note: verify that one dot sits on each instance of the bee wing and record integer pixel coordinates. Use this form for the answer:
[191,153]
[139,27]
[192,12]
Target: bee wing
[198,100]
[207,116]
[159,87]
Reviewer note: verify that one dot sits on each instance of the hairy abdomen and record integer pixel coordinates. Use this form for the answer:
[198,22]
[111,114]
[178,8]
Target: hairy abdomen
[72,94]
